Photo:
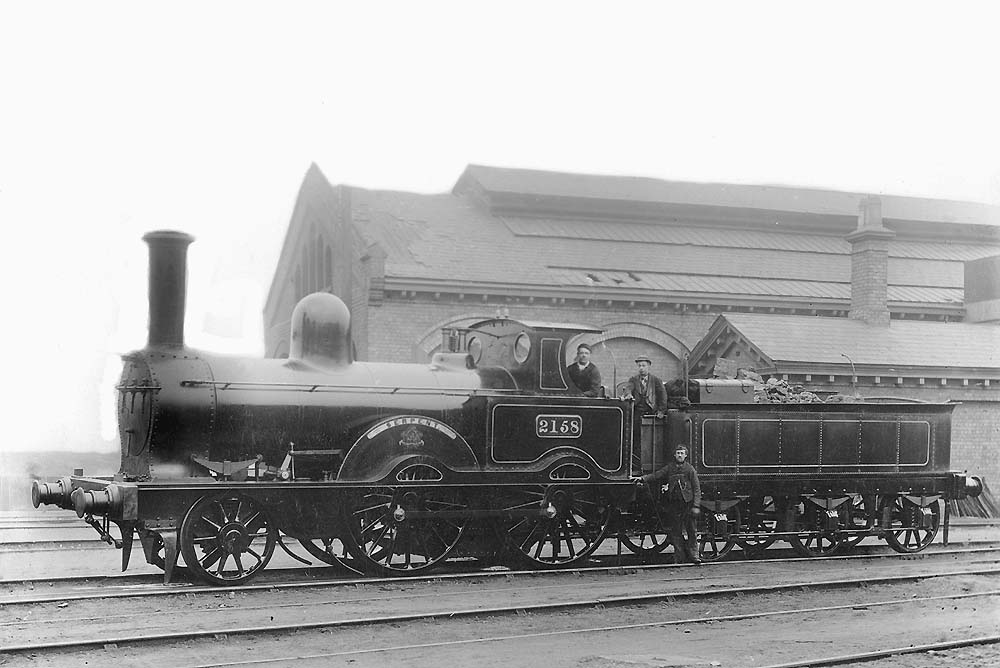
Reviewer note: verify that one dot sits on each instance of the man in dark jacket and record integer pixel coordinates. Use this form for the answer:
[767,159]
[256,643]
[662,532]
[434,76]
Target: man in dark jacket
[682,492]
[647,390]
[584,373]
[650,397]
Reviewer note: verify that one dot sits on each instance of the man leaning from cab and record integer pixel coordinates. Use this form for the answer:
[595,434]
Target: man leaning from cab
[584,373]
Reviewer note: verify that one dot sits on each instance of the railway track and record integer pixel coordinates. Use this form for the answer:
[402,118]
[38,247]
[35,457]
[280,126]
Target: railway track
[78,588]
[321,573]
[542,594]
[836,660]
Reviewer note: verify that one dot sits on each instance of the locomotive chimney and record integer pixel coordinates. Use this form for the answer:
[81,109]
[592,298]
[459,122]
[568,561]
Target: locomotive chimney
[167,287]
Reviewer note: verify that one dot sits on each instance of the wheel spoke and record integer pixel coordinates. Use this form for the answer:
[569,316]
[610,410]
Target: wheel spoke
[437,534]
[211,557]
[239,562]
[541,543]
[211,523]
[222,511]
[569,544]
[222,563]
[368,509]
[373,526]
[251,519]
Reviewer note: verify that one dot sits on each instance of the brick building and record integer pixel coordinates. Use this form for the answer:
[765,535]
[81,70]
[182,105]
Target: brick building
[891,296]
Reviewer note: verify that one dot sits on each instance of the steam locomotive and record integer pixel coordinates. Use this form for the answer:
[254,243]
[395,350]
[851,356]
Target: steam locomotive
[488,452]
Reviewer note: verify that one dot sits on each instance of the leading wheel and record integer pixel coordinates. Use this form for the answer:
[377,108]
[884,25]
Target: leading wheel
[227,539]
[911,527]
[549,527]
[404,530]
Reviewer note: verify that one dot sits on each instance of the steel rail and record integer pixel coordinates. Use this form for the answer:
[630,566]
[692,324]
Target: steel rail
[885,653]
[507,609]
[186,588]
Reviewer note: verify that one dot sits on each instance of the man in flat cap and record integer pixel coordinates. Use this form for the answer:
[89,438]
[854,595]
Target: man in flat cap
[647,390]
[650,397]
[584,373]
[682,492]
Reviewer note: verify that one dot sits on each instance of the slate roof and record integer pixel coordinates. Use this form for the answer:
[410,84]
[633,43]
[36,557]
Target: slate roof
[452,241]
[819,340]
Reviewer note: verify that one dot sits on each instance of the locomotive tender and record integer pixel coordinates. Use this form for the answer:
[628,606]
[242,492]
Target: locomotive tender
[488,450]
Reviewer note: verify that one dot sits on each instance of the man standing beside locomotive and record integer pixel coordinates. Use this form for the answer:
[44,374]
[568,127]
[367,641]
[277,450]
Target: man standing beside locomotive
[683,504]
[584,373]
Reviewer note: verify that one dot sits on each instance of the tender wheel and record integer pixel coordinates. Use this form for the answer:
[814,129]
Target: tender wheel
[911,527]
[331,551]
[762,520]
[646,532]
[404,530]
[815,544]
[814,541]
[227,539]
[713,546]
[554,526]
[859,519]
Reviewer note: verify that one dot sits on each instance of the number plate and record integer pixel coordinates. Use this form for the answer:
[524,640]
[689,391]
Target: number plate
[558,426]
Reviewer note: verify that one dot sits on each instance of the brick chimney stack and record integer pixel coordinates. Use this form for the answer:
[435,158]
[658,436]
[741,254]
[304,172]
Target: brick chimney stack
[870,264]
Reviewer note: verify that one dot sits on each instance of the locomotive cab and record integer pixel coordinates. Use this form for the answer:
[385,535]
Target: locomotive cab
[532,353]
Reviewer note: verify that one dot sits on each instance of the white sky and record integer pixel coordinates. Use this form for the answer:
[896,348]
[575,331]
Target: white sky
[116,119]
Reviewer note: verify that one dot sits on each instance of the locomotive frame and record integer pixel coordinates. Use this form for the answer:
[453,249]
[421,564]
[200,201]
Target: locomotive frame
[487,452]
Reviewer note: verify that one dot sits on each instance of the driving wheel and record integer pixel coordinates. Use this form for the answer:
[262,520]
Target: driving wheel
[549,527]
[404,530]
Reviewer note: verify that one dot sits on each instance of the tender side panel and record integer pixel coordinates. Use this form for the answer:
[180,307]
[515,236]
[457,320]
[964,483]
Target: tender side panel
[522,433]
[814,442]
